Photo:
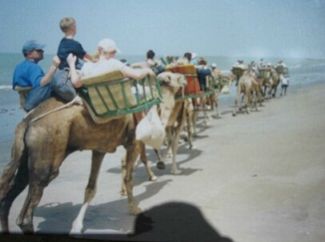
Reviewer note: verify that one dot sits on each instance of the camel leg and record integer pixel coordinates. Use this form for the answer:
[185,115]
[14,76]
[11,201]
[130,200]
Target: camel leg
[174,144]
[189,134]
[19,183]
[189,130]
[25,218]
[169,136]
[123,172]
[146,162]
[215,101]
[204,109]
[275,91]
[131,156]
[96,162]
[236,108]
[247,100]
[192,122]
[160,163]
[253,101]
[193,114]
[41,173]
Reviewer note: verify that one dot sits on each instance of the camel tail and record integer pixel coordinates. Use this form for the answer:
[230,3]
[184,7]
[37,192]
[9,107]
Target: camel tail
[18,156]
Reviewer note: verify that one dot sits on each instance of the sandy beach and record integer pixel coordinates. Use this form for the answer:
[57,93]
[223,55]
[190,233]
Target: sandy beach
[255,177]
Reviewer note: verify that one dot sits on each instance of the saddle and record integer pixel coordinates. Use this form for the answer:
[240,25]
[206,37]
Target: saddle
[192,89]
[110,95]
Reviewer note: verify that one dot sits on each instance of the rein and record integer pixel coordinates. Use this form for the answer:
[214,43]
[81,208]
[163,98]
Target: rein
[76,100]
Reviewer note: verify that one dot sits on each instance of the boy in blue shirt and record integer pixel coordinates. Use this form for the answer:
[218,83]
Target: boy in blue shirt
[62,85]
[29,74]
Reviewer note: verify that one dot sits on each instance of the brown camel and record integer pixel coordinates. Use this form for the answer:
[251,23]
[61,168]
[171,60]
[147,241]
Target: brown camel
[249,89]
[275,81]
[270,80]
[41,146]
[170,84]
[173,115]
[209,103]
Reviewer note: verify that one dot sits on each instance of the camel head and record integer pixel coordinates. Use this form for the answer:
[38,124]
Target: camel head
[174,81]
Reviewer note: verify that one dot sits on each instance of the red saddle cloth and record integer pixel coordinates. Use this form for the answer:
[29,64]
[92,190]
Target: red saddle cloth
[189,71]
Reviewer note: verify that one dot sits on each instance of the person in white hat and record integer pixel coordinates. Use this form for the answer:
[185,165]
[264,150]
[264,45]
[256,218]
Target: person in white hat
[215,71]
[107,62]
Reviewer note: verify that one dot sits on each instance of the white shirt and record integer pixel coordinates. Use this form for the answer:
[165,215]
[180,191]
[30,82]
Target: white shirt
[284,81]
[102,66]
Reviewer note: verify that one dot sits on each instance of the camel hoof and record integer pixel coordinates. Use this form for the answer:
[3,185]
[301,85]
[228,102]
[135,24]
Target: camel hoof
[161,165]
[76,228]
[27,228]
[153,178]
[123,193]
[175,171]
[134,210]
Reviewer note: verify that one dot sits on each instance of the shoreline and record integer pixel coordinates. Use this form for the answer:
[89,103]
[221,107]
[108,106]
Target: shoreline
[11,113]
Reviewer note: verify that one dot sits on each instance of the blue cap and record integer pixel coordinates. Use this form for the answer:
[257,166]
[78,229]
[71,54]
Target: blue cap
[32,45]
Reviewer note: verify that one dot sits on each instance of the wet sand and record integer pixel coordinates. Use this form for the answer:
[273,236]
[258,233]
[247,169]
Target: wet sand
[255,177]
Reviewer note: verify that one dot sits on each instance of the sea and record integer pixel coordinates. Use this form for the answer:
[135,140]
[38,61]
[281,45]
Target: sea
[302,71]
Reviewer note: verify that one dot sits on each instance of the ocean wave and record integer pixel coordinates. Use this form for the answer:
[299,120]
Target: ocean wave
[5,87]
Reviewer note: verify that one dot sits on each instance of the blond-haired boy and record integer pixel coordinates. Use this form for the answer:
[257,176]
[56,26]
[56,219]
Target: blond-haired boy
[68,45]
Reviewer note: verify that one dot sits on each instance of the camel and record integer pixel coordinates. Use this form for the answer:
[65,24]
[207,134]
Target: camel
[221,80]
[174,127]
[169,108]
[270,79]
[42,144]
[274,82]
[210,102]
[173,115]
[40,147]
[250,88]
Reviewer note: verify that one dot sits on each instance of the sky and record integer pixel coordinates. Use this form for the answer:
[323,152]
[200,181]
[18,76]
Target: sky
[257,28]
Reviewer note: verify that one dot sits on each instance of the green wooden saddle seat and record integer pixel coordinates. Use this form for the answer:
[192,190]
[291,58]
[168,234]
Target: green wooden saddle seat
[111,95]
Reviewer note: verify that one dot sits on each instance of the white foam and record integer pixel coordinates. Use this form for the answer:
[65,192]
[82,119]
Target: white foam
[5,87]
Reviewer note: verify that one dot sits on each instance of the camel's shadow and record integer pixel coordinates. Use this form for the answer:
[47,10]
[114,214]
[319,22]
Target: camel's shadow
[111,216]
[184,155]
